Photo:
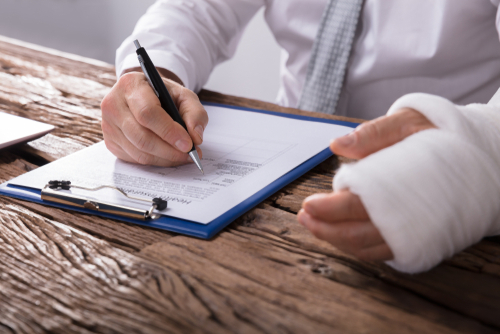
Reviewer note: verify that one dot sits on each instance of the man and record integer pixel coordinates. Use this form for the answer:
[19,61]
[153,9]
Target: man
[428,182]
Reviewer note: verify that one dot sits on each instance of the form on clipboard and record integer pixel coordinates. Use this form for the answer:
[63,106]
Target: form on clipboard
[247,156]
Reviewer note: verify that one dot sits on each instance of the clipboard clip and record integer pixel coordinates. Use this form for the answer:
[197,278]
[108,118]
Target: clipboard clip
[51,193]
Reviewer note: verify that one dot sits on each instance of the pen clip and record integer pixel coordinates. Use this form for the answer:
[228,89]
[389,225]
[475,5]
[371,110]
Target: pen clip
[141,61]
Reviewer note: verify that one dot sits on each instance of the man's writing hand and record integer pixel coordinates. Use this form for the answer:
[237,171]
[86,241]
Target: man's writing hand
[138,130]
[340,218]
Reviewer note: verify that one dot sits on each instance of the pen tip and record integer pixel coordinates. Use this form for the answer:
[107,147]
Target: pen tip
[196,159]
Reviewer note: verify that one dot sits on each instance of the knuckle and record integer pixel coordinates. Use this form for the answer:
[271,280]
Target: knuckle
[127,80]
[143,158]
[166,131]
[413,122]
[371,130]
[108,105]
[106,127]
[144,115]
[144,143]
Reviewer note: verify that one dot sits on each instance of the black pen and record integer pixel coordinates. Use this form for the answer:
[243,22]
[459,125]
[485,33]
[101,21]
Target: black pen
[161,91]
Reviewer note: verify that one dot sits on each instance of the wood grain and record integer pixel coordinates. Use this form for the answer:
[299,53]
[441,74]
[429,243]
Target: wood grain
[66,272]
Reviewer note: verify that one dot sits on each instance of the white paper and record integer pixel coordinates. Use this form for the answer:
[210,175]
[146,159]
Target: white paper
[243,152]
[14,129]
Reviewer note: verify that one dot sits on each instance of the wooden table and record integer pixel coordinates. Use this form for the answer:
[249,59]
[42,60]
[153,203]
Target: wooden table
[66,272]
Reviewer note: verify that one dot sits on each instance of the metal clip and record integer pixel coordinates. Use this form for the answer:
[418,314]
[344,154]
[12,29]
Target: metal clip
[50,193]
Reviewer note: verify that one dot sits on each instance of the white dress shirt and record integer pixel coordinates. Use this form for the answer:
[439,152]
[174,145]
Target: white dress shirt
[446,47]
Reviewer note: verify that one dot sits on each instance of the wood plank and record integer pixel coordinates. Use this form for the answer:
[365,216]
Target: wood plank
[312,303]
[54,278]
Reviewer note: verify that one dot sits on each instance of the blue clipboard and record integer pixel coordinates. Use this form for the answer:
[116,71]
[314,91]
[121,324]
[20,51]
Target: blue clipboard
[188,227]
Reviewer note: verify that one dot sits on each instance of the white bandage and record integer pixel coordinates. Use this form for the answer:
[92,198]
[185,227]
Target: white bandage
[437,191]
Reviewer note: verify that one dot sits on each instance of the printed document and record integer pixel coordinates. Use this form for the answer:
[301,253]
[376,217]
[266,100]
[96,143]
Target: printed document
[243,152]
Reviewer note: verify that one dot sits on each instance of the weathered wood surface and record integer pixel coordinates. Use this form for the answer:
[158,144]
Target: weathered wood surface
[66,272]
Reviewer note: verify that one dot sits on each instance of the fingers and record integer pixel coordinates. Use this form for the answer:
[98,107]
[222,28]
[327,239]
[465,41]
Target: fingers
[147,111]
[146,141]
[121,147]
[380,133]
[359,238]
[344,235]
[336,207]
[341,219]
[138,129]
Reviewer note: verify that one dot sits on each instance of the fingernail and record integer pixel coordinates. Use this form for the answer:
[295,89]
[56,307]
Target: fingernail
[347,140]
[199,131]
[183,145]
[189,159]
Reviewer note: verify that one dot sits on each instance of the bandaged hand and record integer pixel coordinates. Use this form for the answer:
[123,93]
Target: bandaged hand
[340,217]
[431,194]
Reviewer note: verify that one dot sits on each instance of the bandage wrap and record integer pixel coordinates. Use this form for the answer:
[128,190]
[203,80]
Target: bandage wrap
[437,191]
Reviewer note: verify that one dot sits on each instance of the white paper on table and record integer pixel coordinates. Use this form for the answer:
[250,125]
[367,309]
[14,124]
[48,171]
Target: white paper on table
[243,152]
[15,130]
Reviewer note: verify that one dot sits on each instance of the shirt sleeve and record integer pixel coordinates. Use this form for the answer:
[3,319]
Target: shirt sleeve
[188,37]
[436,192]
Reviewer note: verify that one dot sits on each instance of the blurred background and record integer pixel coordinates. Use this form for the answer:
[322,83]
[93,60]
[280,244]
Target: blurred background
[95,29]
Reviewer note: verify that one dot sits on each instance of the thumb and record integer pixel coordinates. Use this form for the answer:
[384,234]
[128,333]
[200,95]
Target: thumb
[380,133]
[190,108]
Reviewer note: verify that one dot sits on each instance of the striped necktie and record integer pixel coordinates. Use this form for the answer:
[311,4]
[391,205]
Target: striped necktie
[330,56]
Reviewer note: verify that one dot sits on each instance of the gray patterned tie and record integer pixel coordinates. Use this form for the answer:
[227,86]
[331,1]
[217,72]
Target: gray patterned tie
[330,55]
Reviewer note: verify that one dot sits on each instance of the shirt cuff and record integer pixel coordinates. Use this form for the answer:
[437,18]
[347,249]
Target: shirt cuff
[161,59]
